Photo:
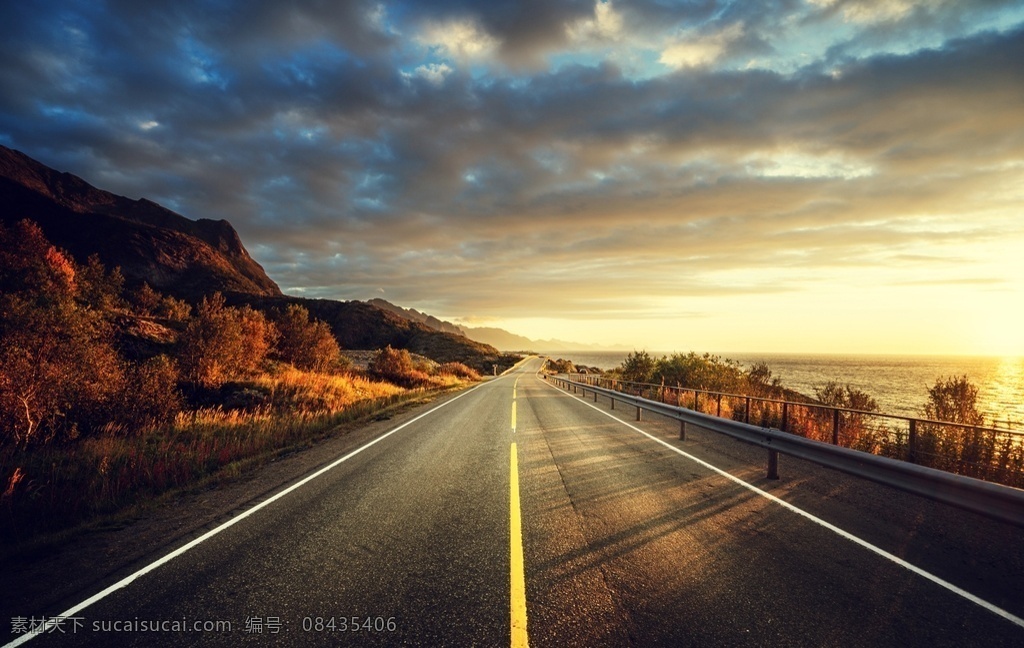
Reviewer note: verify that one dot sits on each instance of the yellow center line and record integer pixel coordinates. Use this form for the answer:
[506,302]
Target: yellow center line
[518,576]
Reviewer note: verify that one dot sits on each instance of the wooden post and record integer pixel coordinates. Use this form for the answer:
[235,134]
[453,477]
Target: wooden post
[639,416]
[773,464]
[682,430]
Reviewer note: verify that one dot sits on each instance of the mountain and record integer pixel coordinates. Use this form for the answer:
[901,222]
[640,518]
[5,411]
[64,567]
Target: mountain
[362,325]
[187,258]
[193,258]
[416,316]
[502,339]
[495,337]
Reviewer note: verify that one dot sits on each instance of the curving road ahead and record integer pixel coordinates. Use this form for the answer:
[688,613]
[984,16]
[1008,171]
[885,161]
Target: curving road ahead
[517,513]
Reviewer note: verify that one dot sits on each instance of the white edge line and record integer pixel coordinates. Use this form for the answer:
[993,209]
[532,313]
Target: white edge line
[831,527]
[209,534]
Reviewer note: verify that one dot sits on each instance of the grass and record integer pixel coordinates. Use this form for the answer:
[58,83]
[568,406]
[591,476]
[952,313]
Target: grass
[52,489]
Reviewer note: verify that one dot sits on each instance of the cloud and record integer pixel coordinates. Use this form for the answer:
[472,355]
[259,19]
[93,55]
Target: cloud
[606,25]
[461,39]
[694,49]
[479,158]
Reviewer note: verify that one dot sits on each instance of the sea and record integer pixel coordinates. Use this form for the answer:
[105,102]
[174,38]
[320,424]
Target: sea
[899,384]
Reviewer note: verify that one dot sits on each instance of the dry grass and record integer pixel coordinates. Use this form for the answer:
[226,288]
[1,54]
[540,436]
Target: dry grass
[52,488]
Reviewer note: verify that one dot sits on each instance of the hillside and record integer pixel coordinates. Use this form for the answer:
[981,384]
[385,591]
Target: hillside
[491,336]
[416,316]
[183,257]
[191,259]
[362,325]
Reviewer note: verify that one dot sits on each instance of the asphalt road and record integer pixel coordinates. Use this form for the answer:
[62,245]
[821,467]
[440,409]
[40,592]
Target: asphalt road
[517,511]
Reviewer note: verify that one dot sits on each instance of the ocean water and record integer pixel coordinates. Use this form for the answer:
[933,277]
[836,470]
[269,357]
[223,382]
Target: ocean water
[898,383]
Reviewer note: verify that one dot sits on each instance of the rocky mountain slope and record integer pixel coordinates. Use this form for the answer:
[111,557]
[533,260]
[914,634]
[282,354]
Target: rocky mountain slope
[193,258]
[187,258]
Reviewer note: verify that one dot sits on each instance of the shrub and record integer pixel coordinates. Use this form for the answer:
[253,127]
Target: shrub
[59,373]
[760,382]
[307,344]
[144,299]
[154,398]
[709,372]
[638,367]
[954,400]
[458,370]
[98,288]
[396,366]
[222,342]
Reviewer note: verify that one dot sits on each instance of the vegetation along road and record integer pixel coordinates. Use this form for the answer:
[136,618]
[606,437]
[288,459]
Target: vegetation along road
[515,512]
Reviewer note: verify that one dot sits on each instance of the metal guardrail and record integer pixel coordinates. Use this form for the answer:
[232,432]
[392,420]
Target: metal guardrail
[1000,502]
[987,453]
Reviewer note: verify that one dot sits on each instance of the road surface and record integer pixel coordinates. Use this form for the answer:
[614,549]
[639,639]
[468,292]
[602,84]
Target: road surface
[516,513]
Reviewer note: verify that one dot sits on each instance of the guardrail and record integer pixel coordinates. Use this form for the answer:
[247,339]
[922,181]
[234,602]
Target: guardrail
[993,500]
[990,454]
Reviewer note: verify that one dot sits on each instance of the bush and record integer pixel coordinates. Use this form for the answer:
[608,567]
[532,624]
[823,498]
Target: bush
[396,366]
[708,372]
[221,342]
[954,400]
[458,370]
[638,367]
[153,398]
[144,299]
[760,382]
[59,373]
[307,344]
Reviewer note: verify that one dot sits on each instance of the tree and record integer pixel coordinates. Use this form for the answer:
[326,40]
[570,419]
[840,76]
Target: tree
[153,398]
[396,366]
[222,342]
[307,344]
[638,367]
[706,371]
[59,373]
[847,397]
[98,288]
[760,380]
[954,400]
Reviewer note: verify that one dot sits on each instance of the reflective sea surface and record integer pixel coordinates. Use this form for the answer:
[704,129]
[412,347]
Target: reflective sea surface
[898,383]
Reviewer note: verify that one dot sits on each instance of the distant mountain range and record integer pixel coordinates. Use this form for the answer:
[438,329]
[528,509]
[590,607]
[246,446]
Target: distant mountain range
[193,258]
[496,337]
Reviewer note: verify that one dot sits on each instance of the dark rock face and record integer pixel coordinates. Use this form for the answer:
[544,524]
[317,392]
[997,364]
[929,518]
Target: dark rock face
[172,253]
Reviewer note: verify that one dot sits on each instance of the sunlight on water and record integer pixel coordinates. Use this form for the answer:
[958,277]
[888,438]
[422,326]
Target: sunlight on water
[1003,393]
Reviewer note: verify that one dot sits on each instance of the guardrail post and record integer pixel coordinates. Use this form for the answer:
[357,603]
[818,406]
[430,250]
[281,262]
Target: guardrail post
[682,430]
[639,416]
[595,397]
[773,464]
[613,403]
[718,410]
[835,427]
[912,442]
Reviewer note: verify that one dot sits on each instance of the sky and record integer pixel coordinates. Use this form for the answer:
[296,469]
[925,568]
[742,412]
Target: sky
[816,176]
